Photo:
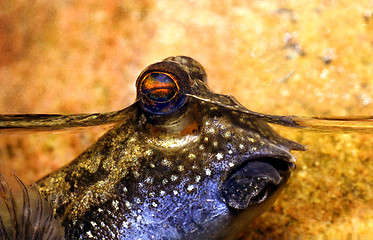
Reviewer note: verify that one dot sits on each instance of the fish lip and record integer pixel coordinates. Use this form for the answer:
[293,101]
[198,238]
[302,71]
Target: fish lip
[254,180]
[283,165]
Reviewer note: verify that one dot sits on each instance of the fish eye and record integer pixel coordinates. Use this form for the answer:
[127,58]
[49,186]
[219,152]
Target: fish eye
[159,87]
[160,92]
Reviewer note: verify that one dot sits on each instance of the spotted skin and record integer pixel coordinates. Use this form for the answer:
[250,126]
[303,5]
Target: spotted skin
[163,176]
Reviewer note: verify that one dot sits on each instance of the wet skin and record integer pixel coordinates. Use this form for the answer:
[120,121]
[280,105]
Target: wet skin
[182,163]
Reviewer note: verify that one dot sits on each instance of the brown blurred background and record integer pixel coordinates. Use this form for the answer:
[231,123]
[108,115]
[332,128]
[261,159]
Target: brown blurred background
[309,58]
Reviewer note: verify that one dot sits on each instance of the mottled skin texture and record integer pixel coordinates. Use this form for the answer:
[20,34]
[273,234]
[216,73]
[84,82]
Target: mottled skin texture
[201,171]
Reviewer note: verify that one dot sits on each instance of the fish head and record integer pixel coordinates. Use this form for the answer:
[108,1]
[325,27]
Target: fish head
[218,166]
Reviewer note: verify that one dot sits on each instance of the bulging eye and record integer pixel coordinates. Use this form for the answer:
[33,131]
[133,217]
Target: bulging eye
[160,92]
[159,87]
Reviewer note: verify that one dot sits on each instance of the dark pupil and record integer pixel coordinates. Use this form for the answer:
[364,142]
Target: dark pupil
[158,87]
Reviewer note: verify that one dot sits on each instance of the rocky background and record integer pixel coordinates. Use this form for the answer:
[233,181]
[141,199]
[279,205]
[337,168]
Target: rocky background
[308,58]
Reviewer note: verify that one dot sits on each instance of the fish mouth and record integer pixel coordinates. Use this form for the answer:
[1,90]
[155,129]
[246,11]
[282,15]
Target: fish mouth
[254,180]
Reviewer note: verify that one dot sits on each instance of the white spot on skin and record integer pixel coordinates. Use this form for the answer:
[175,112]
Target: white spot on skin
[138,200]
[211,130]
[125,225]
[190,187]
[241,146]
[219,156]
[93,224]
[206,139]
[164,181]
[230,151]
[175,192]
[128,204]
[166,162]
[136,174]
[208,172]
[173,178]
[163,193]
[89,234]
[215,143]
[194,167]
[155,204]
[198,178]
[152,165]
[253,148]
[227,134]
[149,152]
[231,164]
[125,189]
[149,180]
[180,168]
[141,185]
[115,204]
[151,194]
[100,210]
[191,156]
